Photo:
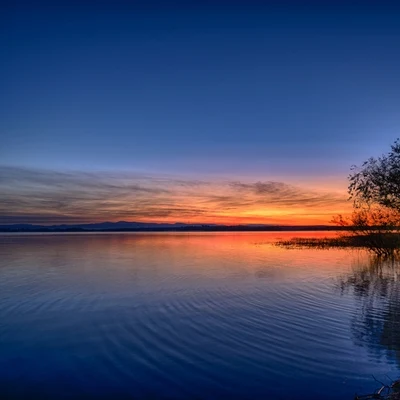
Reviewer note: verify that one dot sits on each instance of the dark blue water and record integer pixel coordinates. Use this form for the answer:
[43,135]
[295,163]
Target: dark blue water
[192,316]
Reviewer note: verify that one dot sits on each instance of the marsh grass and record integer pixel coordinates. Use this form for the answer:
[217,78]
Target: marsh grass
[380,243]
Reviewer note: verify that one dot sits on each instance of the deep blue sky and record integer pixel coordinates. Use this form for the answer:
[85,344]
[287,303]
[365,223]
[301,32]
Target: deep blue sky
[220,88]
[294,91]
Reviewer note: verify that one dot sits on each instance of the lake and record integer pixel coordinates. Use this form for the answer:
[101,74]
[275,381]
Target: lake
[193,316]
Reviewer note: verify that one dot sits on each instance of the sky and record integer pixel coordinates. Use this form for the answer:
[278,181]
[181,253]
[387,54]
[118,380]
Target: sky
[192,111]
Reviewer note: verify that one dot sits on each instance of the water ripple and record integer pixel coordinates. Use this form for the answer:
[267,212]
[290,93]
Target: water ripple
[207,325]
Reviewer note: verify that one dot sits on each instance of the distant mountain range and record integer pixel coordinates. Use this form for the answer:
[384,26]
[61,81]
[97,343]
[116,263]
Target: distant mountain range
[123,226]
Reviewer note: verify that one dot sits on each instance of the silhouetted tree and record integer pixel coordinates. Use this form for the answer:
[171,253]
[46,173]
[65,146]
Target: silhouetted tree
[377,181]
[375,190]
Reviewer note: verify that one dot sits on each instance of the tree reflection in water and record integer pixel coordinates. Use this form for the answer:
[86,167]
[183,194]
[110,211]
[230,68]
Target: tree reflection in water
[375,284]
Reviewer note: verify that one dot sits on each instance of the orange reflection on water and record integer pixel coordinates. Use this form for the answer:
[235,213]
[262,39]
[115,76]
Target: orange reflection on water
[203,255]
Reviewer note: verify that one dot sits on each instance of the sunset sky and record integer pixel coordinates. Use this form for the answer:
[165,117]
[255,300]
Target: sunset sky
[192,111]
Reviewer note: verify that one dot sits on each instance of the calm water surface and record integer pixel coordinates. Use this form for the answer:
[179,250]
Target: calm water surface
[192,316]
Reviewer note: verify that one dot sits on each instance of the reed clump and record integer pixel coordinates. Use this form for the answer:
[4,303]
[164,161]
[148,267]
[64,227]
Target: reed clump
[380,243]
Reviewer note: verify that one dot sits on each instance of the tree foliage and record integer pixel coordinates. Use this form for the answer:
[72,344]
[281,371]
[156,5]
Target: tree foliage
[375,190]
[377,181]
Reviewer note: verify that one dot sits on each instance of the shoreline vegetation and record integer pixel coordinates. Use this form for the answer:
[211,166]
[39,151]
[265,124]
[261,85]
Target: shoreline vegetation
[375,222]
[380,243]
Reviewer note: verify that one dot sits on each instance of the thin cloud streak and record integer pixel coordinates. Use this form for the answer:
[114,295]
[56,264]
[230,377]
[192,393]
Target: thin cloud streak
[44,196]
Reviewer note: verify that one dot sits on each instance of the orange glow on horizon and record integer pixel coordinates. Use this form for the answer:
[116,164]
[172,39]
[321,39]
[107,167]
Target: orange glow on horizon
[95,197]
[274,216]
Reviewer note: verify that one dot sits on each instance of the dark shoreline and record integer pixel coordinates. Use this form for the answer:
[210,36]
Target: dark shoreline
[203,228]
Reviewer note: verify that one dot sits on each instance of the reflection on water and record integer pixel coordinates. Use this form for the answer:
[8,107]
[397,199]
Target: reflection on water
[375,285]
[192,316]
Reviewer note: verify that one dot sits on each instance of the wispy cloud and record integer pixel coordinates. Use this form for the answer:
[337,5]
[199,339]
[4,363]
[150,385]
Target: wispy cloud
[40,196]
[284,195]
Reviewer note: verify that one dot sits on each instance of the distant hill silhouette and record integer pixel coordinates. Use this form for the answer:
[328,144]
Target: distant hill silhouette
[124,226]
